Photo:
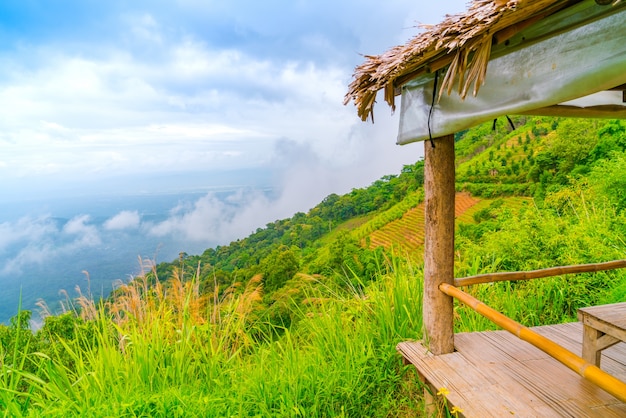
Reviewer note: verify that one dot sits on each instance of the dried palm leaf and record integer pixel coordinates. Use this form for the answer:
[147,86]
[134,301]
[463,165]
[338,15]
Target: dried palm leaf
[450,43]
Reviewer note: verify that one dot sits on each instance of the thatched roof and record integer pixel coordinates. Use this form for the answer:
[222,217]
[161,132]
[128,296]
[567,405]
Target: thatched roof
[462,43]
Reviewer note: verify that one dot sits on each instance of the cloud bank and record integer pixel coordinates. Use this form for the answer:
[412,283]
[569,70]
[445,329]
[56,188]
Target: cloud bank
[113,89]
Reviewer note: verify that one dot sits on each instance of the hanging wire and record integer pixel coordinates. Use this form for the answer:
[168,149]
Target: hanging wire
[432,105]
[511,124]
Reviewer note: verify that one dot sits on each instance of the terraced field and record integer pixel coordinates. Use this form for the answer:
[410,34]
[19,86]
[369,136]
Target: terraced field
[512,203]
[407,233]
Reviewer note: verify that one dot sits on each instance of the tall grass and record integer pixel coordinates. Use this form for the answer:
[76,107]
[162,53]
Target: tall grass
[14,397]
[166,350]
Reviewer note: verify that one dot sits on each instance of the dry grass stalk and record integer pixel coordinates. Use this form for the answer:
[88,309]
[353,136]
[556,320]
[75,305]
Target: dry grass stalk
[44,309]
[184,298]
[82,305]
[88,310]
[251,296]
[152,309]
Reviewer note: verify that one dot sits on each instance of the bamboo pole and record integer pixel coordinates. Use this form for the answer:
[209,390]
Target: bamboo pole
[587,370]
[536,274]
[439,243]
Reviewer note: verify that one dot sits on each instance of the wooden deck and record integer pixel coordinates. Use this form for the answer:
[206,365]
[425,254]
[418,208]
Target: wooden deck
[495,374]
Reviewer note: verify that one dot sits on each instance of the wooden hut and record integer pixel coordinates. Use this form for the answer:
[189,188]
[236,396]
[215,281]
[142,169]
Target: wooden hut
[504,57]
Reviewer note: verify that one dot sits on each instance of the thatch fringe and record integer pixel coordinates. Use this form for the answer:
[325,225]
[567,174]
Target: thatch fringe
[462,43]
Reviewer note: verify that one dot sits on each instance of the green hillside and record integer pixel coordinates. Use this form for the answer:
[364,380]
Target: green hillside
[301,318]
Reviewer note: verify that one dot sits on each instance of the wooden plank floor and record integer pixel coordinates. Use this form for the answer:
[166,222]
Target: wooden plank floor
[495,374]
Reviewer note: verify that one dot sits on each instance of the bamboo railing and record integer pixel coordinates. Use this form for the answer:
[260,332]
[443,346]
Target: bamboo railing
[587,370]
[536,274]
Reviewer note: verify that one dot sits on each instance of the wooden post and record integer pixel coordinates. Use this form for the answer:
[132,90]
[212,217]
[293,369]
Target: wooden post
[430,402]
[439,243]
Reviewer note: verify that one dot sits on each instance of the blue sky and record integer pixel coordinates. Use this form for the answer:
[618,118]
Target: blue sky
[95,92]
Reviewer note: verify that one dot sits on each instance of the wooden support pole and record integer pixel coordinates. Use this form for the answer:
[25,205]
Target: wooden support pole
[430,402]
[439,243]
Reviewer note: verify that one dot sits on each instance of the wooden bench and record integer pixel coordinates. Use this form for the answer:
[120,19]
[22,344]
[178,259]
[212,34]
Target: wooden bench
[603,326]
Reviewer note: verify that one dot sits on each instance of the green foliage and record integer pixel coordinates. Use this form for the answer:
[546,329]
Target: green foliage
[277,268]
[573,140]
[487,213]
[607,180]
[611,139]
[554,153]
[15,349]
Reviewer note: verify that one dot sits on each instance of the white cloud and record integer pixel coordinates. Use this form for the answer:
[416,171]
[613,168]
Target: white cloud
[33,253]
[126,219]
[84,233]
[209,219]
[187,104]
[39,240]
[83,116]
[25,229]
[77,225]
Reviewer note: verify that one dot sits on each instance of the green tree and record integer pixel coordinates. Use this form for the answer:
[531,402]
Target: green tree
[611,138]
[608,181]
[573,141]
[277,268]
